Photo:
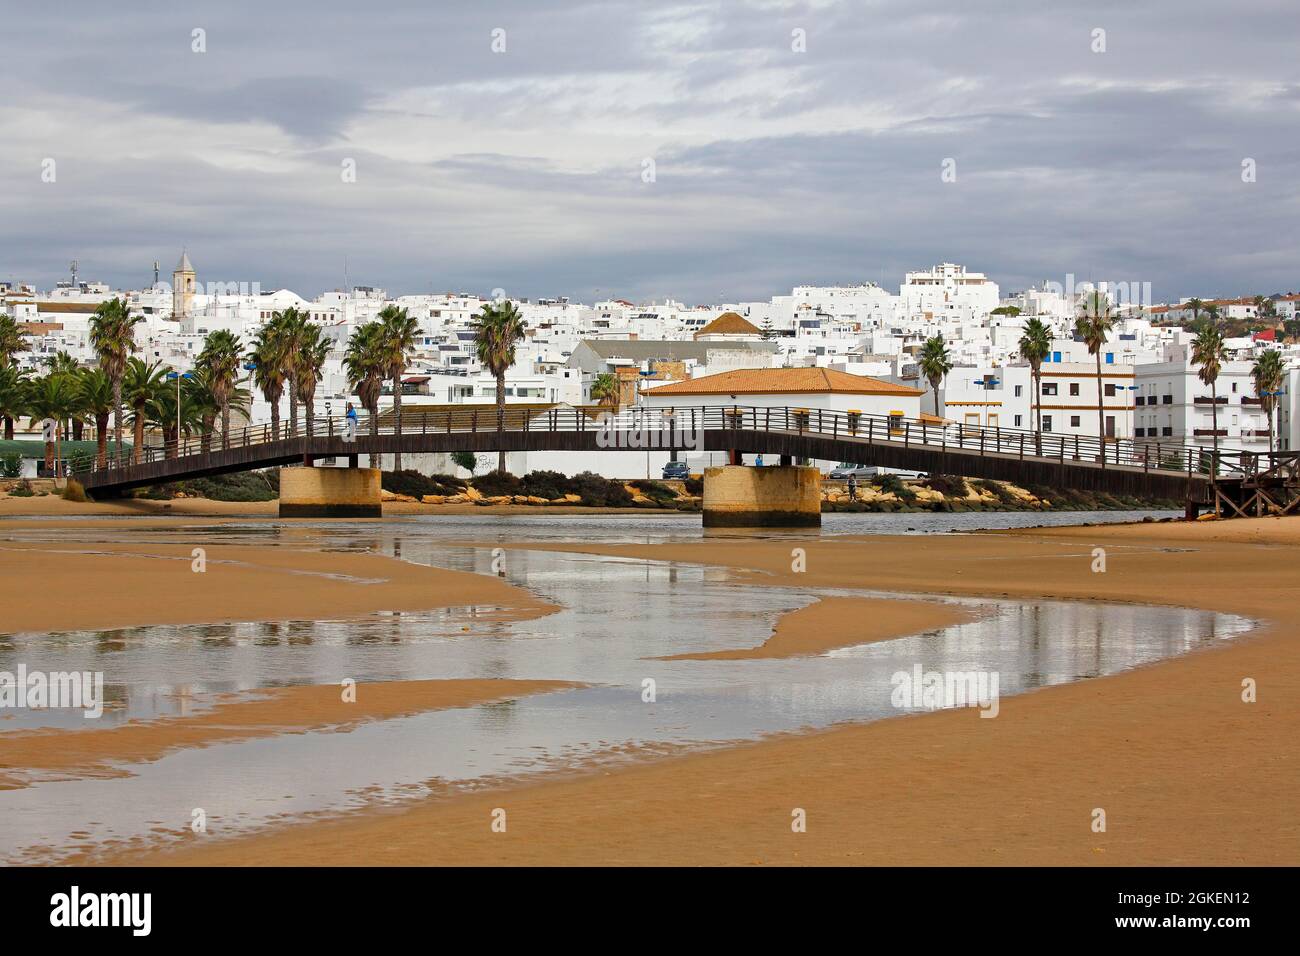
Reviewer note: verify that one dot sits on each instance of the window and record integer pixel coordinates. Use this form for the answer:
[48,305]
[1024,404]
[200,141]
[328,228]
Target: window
[1074,421]
[1110,358]
[1168,399]
[1018,391]
[1074,388]
[1049,388]
[1110,391]
[1166,431]
[1017,417]
[1056,356]
[1047,423]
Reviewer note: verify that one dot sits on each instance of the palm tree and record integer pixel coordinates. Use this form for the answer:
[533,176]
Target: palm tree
[141,386]
[365,365]
[605,390]
[269,353]
[198,394]
[13,397]
[221,356]
[308,366]
[1212,313]
[496,330]
[12,341]
[1209,353]
[52,397]
[1093,323]
[1035,346]
[165,412]
[398,333]
[935,363]
[1268,372]
[95,396]
[112,336]
[1196,305]
[295,326]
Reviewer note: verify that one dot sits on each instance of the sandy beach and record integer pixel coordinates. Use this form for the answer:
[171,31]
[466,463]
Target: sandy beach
[1187,772]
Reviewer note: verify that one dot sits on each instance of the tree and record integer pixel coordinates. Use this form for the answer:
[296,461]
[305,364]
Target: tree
[365,365]
[308,366]
[605,390]
[269,354]
[1196,305]
[1268,373]
[52,397]
[95,398]
[1209,353]
[496,331]
[1011,310]
[1212,314]
[295,326]
[935,363]
[177,422]
[1093,323]
[141,385]
[465,459]
[398,333]
[1035,347]
[13,397]
[112,336]
[221,356]
[12,341]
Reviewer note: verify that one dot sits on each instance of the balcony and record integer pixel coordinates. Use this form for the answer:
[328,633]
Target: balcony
[1206,400]
[1208,432]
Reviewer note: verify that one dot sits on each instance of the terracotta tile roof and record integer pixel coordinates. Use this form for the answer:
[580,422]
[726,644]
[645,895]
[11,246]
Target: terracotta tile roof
[729,323]
[770,381]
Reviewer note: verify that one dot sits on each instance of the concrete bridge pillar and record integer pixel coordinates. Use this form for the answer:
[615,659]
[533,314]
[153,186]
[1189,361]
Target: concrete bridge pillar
[737,496]
[330,493]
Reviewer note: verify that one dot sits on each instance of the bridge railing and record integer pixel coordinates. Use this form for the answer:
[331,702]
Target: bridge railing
[677,427]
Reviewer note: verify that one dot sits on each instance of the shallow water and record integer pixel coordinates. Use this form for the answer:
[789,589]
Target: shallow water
[616,613]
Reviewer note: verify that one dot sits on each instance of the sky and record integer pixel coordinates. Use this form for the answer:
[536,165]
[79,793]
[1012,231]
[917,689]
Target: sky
[715,152]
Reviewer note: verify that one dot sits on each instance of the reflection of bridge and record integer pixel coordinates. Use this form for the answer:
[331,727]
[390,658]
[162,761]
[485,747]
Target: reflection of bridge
[1150,469]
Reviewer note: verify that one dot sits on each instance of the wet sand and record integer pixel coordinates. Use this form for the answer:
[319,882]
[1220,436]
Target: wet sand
[67,586]
[1186,771]
[64,754]
[833,623]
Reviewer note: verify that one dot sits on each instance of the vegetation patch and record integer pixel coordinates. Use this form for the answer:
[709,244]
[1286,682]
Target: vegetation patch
[416,485]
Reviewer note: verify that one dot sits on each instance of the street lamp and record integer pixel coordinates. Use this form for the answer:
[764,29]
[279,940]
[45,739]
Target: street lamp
[178,376]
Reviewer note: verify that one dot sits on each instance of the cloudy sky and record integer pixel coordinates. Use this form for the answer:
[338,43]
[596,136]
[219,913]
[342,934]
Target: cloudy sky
[789,142]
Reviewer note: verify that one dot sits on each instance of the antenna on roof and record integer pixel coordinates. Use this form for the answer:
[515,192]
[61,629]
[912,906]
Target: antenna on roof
[73,266]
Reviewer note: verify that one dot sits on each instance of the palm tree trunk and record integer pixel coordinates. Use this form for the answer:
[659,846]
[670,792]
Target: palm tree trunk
[9,428]
[137,436]
[1101,411]
[49,457]
[397,418]
[1214,426]
[225,424]
[501,417]
[101,440]
[275,420]
[117,417]
[293,414]
[309,412]
[1270,432]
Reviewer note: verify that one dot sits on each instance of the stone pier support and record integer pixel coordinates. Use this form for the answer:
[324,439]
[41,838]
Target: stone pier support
[330,493]
[774,497]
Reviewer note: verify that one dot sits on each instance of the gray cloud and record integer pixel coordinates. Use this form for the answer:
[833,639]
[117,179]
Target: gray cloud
[523,170]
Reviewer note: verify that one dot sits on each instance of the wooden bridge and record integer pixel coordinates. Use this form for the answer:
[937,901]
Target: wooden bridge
[1148,469]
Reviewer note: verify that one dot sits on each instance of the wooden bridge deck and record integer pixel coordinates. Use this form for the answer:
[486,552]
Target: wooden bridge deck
[1127,467]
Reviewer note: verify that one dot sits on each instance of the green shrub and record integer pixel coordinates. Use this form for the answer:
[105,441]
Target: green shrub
[546,484]
[497,483]
[950,486]
[23,490]
[599,492]
[694,486]
[893,485]
[11,465]
[410,482]
[74,491]
[656,490]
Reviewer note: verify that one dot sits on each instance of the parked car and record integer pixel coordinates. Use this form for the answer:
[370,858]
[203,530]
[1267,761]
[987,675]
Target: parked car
[676,469]
[845,470]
